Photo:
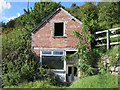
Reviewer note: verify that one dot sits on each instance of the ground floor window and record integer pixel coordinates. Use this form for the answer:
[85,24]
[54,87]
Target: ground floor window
[52,62]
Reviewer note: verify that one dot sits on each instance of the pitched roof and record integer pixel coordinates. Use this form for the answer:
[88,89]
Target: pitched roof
[46,19]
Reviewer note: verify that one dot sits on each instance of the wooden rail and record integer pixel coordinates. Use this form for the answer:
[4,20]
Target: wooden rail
[108,37]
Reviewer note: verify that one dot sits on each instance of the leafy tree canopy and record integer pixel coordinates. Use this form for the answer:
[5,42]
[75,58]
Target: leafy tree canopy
[109,14]
[40,11]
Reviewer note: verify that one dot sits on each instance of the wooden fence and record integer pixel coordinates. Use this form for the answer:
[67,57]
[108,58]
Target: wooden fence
[108,37]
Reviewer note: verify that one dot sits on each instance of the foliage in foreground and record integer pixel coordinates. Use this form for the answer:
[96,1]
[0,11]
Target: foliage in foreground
[18,62]
[97,81]
[35,84]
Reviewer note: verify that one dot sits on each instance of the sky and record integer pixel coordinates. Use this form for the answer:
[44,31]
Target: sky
[12,9]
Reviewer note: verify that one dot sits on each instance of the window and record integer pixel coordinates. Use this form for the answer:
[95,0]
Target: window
[59,29]
[46,52]
[52,62]
[57,53]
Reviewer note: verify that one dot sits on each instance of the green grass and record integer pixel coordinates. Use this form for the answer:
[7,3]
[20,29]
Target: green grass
[97,81]
[36,84]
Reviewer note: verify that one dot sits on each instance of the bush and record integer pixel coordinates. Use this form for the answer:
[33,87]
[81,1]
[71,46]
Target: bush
[26,72]
[18,61]
[11,78]
[54,79]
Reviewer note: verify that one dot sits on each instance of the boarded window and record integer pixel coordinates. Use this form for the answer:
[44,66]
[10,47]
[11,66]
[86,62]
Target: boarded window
[58,29]
[52,62]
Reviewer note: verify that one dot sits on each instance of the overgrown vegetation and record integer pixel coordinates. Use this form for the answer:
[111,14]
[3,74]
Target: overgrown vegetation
[18,61]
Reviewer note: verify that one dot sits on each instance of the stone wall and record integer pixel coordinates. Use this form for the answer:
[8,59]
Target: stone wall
[114,69]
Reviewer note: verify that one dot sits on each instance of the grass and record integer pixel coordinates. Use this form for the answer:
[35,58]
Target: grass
[97,81]
[36,84]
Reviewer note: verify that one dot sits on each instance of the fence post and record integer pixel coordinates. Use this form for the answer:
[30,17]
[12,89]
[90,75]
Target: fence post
[108,40]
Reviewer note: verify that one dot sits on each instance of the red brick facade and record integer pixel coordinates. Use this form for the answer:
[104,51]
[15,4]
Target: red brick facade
[43,36]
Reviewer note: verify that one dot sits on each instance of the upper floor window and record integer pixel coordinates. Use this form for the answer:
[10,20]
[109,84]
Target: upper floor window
[57,53]
[59,29]
[46,52]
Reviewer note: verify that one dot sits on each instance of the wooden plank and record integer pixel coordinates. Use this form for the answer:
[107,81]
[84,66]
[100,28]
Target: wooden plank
[113,29]
[100,45]
[114,43]
[113,36]
[100,32]
[101,38]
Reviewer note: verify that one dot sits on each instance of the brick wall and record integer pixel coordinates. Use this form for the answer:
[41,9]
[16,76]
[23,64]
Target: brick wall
[43,36]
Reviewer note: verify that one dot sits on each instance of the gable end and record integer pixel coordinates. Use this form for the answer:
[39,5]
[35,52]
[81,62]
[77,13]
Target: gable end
[46,19]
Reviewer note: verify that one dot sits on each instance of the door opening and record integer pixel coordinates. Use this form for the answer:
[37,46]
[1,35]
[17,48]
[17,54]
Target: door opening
[71,73]
[71,70]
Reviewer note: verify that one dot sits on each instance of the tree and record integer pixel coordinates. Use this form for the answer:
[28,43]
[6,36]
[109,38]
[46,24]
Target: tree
[109,14]
[73,10]
[3,25]
[40,11]
[10,24]
[73,5]
[89,12]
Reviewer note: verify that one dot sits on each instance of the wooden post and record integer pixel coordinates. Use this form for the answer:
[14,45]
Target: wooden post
[40,57]
[108,40]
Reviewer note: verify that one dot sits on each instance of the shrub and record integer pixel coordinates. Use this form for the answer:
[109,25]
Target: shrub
[55,79]
[18,61]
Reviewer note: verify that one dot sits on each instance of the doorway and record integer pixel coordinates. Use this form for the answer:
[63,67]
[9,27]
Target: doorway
[71,69]
[71,73]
